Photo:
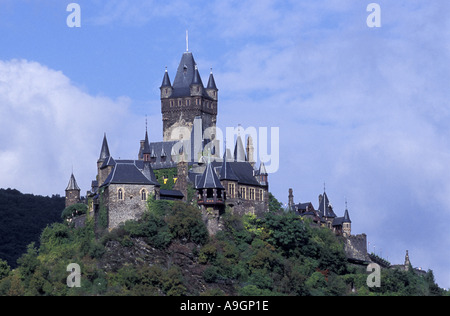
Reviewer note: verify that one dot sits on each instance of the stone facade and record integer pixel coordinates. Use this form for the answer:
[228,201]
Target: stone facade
[355,248]
[126,202]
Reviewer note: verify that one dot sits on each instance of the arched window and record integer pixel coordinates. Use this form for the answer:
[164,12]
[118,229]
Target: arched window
[120,194]
[144,195]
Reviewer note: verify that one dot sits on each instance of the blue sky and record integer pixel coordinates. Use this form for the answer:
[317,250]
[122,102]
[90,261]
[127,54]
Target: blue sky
[364,110]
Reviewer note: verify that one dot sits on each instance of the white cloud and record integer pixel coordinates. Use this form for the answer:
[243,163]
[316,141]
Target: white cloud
[49,125]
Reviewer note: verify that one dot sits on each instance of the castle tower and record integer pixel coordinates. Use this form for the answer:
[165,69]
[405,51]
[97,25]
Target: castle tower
[407,262]
[250,151]
[186,99]
[102,173]
[72,192]
[291,200]
[211,198]
[346,224]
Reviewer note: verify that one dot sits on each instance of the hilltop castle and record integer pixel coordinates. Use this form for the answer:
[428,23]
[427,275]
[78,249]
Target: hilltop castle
[188,159]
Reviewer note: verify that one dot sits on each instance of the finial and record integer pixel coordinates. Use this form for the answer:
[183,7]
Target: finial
[211,70]
[166,68]
[346,205]
[324,187]
[146,123]
[187,41]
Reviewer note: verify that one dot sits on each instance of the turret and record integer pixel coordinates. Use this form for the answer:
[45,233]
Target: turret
[166,86]
[196,86]
[211,88]
[346,224]
[72,192]
[104,155]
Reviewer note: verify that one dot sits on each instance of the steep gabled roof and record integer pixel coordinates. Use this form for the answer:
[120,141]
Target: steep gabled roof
[127,172]
[184,76]
[72,184]
[209,179]
[239,151]
[187,74]
[104,152]
[211,82]
[346,217]
[325,208]
[226,172]
[166,80]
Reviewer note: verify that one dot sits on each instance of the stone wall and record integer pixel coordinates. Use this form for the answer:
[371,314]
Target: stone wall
[130,207]
[355,247]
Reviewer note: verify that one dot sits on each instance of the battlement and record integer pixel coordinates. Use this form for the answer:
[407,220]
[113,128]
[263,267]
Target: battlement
[355,247]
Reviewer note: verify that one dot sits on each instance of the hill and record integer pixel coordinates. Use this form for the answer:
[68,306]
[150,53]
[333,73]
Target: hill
[23,218]
[169,253]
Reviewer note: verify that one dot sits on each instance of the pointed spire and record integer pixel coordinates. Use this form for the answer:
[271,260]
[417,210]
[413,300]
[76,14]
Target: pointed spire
[72,184]
[239,151]
[148,173]
[104,152]
[197,79]
[227,173]
[209,179]
[262,169]
[211,82]
[346,217]
[146,149]
[166,80]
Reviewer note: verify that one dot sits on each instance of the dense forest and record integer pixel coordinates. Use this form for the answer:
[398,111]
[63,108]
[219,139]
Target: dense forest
[169,253]
[23,218]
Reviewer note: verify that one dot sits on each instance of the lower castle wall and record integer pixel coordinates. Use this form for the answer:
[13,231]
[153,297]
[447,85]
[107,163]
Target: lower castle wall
[355,247]
[131,207]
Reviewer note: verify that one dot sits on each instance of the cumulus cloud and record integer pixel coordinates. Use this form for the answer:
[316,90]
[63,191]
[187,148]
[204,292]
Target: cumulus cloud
[49,125]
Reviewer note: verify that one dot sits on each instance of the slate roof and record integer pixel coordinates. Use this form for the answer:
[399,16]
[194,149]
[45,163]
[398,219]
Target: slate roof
[72,184]
[187,74]
[104,152]
[226,172]
[326,210]
[127,172]
[166,80]
[209,179]
[239,151]
[211,82]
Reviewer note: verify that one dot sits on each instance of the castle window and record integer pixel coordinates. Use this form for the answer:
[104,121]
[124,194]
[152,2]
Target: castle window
[144,195]
[188,102]
[171,103]
[197,101]
[231,190]
[252,194]
[180,102]
[120,194]
[261,195]
[243,193]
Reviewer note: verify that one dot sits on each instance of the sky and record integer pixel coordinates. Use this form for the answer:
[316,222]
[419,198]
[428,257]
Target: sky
[362,110]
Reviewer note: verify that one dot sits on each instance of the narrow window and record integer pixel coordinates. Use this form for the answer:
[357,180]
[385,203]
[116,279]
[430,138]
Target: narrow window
[144,195]
[120,194]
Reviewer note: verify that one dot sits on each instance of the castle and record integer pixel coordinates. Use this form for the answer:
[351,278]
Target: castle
[188,159]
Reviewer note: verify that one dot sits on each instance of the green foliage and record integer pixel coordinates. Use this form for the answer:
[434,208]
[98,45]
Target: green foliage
[166,177]
[74,210]
[278,254]
[185,223]
[24,216]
